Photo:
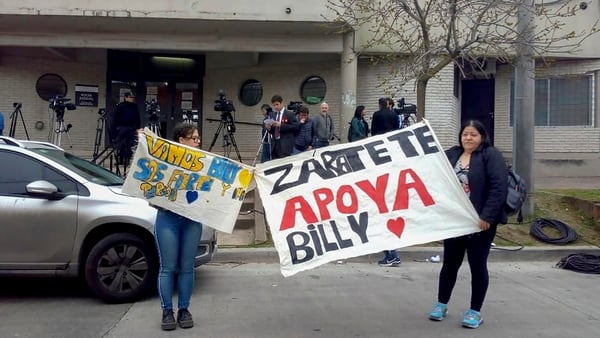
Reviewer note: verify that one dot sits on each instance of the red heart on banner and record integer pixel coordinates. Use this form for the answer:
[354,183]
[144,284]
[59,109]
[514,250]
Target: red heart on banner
[396,226]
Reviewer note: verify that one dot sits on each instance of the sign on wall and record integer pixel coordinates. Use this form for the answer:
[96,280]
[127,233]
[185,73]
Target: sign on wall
[86,95]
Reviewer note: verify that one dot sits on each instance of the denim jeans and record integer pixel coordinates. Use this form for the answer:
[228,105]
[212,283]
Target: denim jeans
[177,240]
[390,254]
[266,152]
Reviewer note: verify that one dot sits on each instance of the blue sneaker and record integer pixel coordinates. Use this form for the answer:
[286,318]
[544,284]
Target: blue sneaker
[439,312]
[389,262]
[472,319]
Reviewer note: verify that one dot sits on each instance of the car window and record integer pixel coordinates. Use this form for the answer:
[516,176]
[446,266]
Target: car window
[19,170]
[90,171]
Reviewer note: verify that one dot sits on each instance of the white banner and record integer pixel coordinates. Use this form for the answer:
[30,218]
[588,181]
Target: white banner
[199,185]
[383,192]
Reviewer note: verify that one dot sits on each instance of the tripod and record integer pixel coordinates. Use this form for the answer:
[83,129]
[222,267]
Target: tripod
[407,120]
[154,126]
[228,138]
[60,128]
[13,120]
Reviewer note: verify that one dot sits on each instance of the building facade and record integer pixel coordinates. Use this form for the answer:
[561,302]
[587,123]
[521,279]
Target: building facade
[182,54]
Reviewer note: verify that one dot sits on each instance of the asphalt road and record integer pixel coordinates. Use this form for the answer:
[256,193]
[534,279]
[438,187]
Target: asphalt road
[355,299]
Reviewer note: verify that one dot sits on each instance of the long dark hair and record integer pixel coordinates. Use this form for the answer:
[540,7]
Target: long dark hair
[480,129]
[183,130]
[358,112]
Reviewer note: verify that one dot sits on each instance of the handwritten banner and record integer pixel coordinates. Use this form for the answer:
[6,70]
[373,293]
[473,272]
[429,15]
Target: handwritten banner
[188,181]
[383,192]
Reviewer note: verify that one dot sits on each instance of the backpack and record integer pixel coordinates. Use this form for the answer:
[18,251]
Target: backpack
[517,192]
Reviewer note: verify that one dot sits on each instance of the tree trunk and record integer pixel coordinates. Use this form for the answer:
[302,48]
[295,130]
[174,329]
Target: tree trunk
[421,90]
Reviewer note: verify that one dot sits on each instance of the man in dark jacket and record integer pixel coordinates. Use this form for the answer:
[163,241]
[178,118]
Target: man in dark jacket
[305,138]
[384,119]
[126,123]
[283,129]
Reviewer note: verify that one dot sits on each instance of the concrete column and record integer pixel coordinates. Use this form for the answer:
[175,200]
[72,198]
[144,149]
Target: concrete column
[349,70]
[596,111]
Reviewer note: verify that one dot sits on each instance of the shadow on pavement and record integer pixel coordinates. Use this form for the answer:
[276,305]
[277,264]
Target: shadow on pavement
[43,287]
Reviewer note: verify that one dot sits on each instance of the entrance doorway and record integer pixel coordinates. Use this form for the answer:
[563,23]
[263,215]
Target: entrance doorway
[477,103]
[167,87]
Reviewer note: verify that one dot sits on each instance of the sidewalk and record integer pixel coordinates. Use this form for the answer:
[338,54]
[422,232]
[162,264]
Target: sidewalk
[588,182]
[414,254]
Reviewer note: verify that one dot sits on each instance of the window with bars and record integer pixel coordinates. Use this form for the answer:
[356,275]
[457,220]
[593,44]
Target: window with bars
[561,101]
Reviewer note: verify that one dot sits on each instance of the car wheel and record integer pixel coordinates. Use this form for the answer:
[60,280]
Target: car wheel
[121,268]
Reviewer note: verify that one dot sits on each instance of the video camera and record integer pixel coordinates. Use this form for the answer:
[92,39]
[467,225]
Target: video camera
[225,107]
[222,104]
[405,108]
[294,106]
[152,109]
[58,104]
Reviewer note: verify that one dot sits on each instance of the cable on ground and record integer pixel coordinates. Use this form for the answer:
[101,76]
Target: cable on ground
[567,234]
[579,262]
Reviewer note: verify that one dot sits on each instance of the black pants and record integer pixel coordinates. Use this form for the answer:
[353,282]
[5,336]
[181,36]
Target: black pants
[477,247]
[126,141]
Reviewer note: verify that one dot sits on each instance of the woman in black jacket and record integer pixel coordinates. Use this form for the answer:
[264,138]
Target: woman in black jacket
[482,172]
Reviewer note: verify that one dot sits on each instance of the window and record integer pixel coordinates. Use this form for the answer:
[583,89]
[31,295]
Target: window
[251,92]
[561,101]
[21,171]
[50,85]
[313,90]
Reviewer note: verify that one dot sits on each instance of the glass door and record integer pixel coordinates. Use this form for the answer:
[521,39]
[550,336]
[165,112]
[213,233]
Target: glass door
[169,103]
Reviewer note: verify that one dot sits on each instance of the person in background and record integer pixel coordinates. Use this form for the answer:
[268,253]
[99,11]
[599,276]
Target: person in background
[283,129]
[305,137]
[177,239]
[323,124]
[267,113]
[127,121]
[384,120]
[481,170]
[1,123]
[359,128]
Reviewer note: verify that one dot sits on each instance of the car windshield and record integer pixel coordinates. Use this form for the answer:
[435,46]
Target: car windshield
[86,169]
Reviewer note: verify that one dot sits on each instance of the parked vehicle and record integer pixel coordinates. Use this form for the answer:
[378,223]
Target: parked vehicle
[61,215]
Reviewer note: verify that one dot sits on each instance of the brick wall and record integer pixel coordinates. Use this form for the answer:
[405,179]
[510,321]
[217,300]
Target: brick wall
[17,84]
[560,141]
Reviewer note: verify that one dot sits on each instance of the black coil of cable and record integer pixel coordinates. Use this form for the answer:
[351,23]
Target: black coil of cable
[584,263]
[567,234]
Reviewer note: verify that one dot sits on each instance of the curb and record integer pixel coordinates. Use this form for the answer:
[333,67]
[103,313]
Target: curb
[418,254]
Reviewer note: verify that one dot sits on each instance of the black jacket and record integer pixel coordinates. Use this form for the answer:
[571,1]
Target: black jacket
[383,121]
[488,181]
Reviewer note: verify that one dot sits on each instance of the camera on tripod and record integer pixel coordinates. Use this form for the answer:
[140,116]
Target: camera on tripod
[405,108]
[17,105]
[152,109]
[225,107]
[58,104]
[222,104]
[294,106]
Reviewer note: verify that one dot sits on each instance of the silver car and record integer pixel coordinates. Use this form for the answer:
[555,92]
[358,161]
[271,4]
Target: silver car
[61,215]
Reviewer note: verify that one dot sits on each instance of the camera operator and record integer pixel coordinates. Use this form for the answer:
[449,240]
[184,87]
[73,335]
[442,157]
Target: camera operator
[268,115]
[283,129]
[126,123]
[384,119]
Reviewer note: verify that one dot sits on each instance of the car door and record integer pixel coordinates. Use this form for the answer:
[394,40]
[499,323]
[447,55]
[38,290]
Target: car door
[35,232]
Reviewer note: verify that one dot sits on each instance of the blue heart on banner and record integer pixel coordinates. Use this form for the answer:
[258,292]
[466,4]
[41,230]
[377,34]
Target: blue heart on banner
[191,196]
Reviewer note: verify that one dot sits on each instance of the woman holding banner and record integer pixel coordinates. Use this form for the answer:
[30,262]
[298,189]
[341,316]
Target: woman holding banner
[482,172]
[177,239]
